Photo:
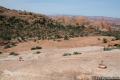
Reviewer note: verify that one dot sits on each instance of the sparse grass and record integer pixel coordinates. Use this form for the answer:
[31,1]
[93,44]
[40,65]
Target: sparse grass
[76,53]
[14,54]
[36,48]
[67,54]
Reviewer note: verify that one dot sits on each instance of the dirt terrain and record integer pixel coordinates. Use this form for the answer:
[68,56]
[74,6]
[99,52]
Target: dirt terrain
[52,64]
[60,43]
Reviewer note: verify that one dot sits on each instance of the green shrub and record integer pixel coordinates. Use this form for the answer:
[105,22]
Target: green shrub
[76,53]
[67,54]
[14,54]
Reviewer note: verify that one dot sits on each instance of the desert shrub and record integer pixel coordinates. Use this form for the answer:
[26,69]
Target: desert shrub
[117,36]
[113,40]
[10,45]
[35,48]
[67,54]
[0,52]
[34,40]
[76,53]
[58,40]
[30,13]
[118,46]
[105,40]
[38,52]
[14,54]
[66,37]
[107,49]
[7,46]
[98,38]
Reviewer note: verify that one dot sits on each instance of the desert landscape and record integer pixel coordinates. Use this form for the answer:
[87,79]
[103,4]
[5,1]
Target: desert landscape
[35,46]
[76,59]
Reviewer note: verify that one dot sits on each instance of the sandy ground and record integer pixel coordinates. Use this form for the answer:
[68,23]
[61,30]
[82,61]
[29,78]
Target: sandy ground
[50,64]
[72,43]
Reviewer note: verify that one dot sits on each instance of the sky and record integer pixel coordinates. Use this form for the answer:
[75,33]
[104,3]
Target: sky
[109,8]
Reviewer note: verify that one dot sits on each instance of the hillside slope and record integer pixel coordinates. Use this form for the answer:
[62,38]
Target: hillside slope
[14,24]
[22,25]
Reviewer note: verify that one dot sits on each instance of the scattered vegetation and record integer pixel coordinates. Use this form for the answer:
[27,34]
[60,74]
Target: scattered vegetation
[76,53]
[36,48]
[115,34]
[14,54]
[67,54]
[39,26]
[117,46]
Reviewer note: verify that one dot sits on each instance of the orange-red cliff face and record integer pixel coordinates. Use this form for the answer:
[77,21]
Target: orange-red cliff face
[103,23]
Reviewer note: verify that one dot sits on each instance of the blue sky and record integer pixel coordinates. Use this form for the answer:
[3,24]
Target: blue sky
[110,8]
